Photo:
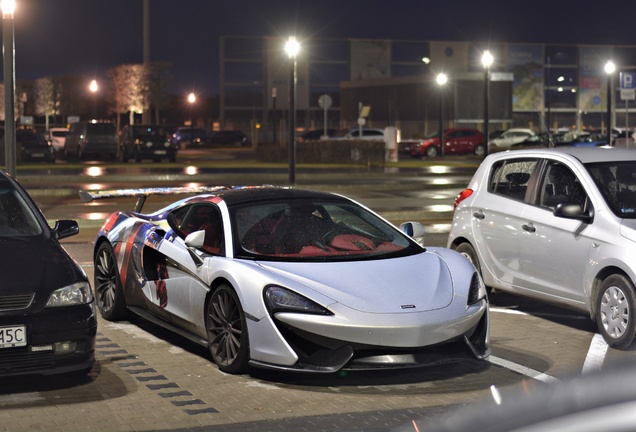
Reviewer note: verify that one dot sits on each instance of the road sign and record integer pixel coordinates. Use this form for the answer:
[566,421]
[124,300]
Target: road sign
[628,80]
[628,94]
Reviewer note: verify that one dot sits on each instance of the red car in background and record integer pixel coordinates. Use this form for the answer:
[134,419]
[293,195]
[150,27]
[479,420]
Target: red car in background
[456,141]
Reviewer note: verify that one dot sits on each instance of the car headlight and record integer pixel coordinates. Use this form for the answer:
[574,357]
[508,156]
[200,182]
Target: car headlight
[76,294]
[477,291]
[279,299]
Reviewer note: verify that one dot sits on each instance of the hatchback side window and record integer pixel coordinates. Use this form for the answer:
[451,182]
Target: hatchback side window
[510,178]
[560,185]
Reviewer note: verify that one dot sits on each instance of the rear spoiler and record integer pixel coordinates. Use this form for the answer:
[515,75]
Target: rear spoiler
[143,193]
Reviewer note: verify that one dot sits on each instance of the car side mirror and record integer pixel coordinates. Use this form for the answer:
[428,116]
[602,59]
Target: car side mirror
[415,230]
[572,210]
[65,228]
[193,242]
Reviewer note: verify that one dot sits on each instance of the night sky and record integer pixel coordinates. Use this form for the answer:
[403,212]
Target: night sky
[86,37]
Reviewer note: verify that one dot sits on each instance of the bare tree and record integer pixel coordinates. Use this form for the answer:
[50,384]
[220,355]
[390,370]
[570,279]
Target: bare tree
[129,90]
[47,94]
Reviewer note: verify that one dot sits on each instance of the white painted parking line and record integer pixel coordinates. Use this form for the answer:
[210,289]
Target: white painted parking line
[515,367]
[595,355]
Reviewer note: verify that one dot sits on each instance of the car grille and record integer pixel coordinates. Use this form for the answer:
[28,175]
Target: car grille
[23,360]
[15,302]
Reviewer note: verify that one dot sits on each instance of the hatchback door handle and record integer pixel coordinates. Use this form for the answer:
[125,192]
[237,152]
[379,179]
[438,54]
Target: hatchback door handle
[479,214]
[528,227]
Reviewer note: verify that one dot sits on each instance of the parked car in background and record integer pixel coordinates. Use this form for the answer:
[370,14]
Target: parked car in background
[47,315]
[581,139]
[625,139]
[57,137]
[91,138]
[316,134]
[32,147]
[357,133]
[188,137]
[289,279]
[234,138]
[456,141]
[146,142]
[509,138]
[557,225]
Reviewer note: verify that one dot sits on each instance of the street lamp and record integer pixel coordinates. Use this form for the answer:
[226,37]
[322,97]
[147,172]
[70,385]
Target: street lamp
[441,79]
[192,99]
[93,88]
[486,60]
[8,49]
[610,68]
[292,48]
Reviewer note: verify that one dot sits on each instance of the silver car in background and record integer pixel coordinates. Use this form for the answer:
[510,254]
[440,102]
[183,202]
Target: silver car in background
[556,225]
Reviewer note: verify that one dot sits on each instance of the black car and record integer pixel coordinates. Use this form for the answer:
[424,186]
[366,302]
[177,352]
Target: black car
[146,142]
[47,313]
[234,138]
[316,134]
[30,146]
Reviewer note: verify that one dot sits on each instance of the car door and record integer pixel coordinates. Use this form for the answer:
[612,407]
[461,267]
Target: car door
[554,251]
[454,142]
[181,280]
[497,219]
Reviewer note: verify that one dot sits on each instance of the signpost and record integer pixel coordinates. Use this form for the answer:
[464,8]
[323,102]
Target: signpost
[628,92]
[324,102]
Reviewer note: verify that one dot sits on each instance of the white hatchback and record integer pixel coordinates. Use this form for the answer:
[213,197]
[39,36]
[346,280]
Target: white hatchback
[509,138]
[556,225]
[57,137]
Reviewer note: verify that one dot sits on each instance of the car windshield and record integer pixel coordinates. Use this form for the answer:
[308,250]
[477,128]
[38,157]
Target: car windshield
[16,218]
[149,132]
[307,230]
[617,183]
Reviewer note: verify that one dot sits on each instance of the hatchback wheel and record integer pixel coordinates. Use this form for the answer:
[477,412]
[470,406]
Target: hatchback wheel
[227,331]
[108,289]
[615,311]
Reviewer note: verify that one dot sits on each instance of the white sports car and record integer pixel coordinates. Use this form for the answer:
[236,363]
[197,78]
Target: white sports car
[289,279]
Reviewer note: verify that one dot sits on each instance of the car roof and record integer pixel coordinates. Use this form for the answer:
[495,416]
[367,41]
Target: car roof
[239,196]
[583,154]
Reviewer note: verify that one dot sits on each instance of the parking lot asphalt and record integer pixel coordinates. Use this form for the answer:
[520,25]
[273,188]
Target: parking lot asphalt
[145,379]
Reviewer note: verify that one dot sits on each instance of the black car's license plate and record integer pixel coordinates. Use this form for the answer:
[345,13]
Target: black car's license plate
[13,336]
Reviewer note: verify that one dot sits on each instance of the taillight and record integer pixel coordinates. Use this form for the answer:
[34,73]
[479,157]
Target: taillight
[462,196]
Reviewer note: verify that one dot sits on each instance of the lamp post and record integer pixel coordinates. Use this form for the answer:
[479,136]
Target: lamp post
[441,79]
[292,47]
[8,49]
[191,100]
[93,88]
[610,68]
[486,60]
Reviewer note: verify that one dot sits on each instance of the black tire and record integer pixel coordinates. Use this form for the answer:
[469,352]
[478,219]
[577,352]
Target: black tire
[480,150]
[469,252]
[431,151]
[227,331]
[108,289]
[137,156]
[616,311]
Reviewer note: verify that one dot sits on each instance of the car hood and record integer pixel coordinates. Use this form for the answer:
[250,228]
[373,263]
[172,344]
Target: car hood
[415,283]
[36,265]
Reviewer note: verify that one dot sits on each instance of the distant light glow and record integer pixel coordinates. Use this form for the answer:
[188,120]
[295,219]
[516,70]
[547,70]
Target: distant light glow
[292,47]
[610,67]
[192,98]
[487,59]
[94,171]
[8,7]
[191,170]
[442,79]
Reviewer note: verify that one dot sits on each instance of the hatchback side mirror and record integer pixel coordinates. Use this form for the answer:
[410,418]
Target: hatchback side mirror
[65,228]
[572,210]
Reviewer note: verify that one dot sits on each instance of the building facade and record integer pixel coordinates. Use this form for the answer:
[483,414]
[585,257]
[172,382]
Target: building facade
[541,86]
